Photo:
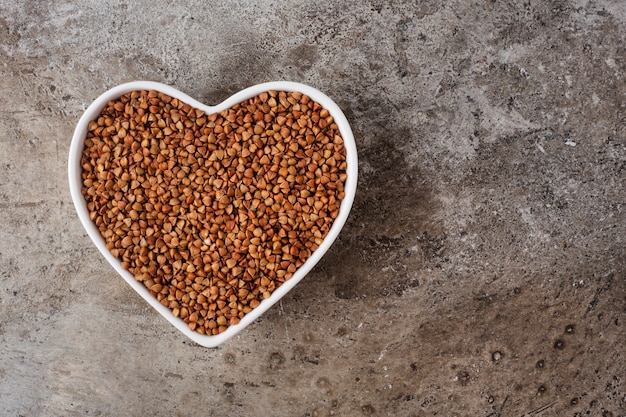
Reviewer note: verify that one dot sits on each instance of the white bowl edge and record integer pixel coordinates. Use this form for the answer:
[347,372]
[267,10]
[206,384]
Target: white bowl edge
[75,182]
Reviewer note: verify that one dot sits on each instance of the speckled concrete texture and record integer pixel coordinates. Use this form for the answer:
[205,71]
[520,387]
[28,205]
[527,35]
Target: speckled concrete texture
[482,271]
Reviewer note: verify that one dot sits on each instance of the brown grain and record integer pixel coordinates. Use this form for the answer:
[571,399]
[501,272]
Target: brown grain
[213,212]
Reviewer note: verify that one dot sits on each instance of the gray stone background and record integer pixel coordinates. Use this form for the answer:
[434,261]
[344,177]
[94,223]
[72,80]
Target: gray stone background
[482,270]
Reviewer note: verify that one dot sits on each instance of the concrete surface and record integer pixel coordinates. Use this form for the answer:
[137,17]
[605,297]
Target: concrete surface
[481,273]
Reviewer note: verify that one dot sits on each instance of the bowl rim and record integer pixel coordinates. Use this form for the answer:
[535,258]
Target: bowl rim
[75,183]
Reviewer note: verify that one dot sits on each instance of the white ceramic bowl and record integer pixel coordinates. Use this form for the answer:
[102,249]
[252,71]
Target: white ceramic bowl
[74,170]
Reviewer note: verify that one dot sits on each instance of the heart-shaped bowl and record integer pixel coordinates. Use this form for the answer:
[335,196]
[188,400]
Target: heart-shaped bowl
[75,180]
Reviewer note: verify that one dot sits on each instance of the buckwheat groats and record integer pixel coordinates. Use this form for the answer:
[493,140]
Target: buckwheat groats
[212,212]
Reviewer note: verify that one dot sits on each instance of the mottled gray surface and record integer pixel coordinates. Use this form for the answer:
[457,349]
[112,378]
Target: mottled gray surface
[482,271]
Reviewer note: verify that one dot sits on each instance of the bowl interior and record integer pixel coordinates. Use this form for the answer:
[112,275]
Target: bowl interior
[75,170]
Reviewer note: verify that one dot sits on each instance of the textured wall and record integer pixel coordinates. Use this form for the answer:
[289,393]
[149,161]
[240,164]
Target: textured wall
[483,268]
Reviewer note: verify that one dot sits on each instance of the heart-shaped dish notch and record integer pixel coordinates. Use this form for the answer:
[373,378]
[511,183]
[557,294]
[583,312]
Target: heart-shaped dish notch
[213,213]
